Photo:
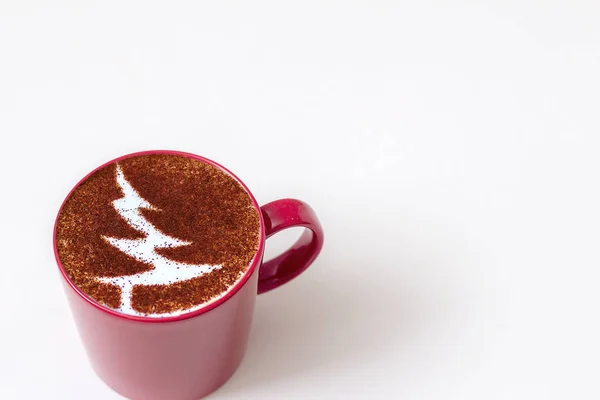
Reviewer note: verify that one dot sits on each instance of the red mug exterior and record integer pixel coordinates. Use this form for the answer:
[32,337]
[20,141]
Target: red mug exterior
[188,356]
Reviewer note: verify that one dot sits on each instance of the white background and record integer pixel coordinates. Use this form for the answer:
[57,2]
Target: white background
[451,150]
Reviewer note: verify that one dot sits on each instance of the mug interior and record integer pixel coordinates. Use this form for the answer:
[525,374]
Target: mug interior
[209,306]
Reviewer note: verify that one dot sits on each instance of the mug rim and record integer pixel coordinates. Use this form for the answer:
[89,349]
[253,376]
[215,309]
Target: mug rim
[230,293]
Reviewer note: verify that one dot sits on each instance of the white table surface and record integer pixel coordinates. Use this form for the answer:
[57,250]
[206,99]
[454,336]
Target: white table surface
[451,150]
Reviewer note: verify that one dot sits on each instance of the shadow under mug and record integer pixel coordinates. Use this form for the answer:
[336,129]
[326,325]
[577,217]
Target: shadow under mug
[188,356]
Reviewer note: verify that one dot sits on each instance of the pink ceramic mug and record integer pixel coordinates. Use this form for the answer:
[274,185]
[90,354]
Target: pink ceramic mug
[190,355]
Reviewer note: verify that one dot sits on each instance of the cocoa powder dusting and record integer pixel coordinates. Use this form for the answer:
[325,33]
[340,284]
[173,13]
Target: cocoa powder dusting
[193,201]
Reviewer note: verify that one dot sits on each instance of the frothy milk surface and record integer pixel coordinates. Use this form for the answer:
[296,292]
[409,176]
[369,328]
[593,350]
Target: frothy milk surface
[157,235]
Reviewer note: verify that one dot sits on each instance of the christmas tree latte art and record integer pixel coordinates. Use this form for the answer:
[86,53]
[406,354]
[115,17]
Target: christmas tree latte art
[165,271]
[157,235]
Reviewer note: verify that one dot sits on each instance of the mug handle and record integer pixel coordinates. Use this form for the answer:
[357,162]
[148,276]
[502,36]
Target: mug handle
[279,215]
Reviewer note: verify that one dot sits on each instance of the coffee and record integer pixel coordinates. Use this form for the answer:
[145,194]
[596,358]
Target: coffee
[157,235]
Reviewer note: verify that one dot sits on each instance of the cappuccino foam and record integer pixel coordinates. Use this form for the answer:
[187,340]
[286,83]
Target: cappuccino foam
[157,235]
